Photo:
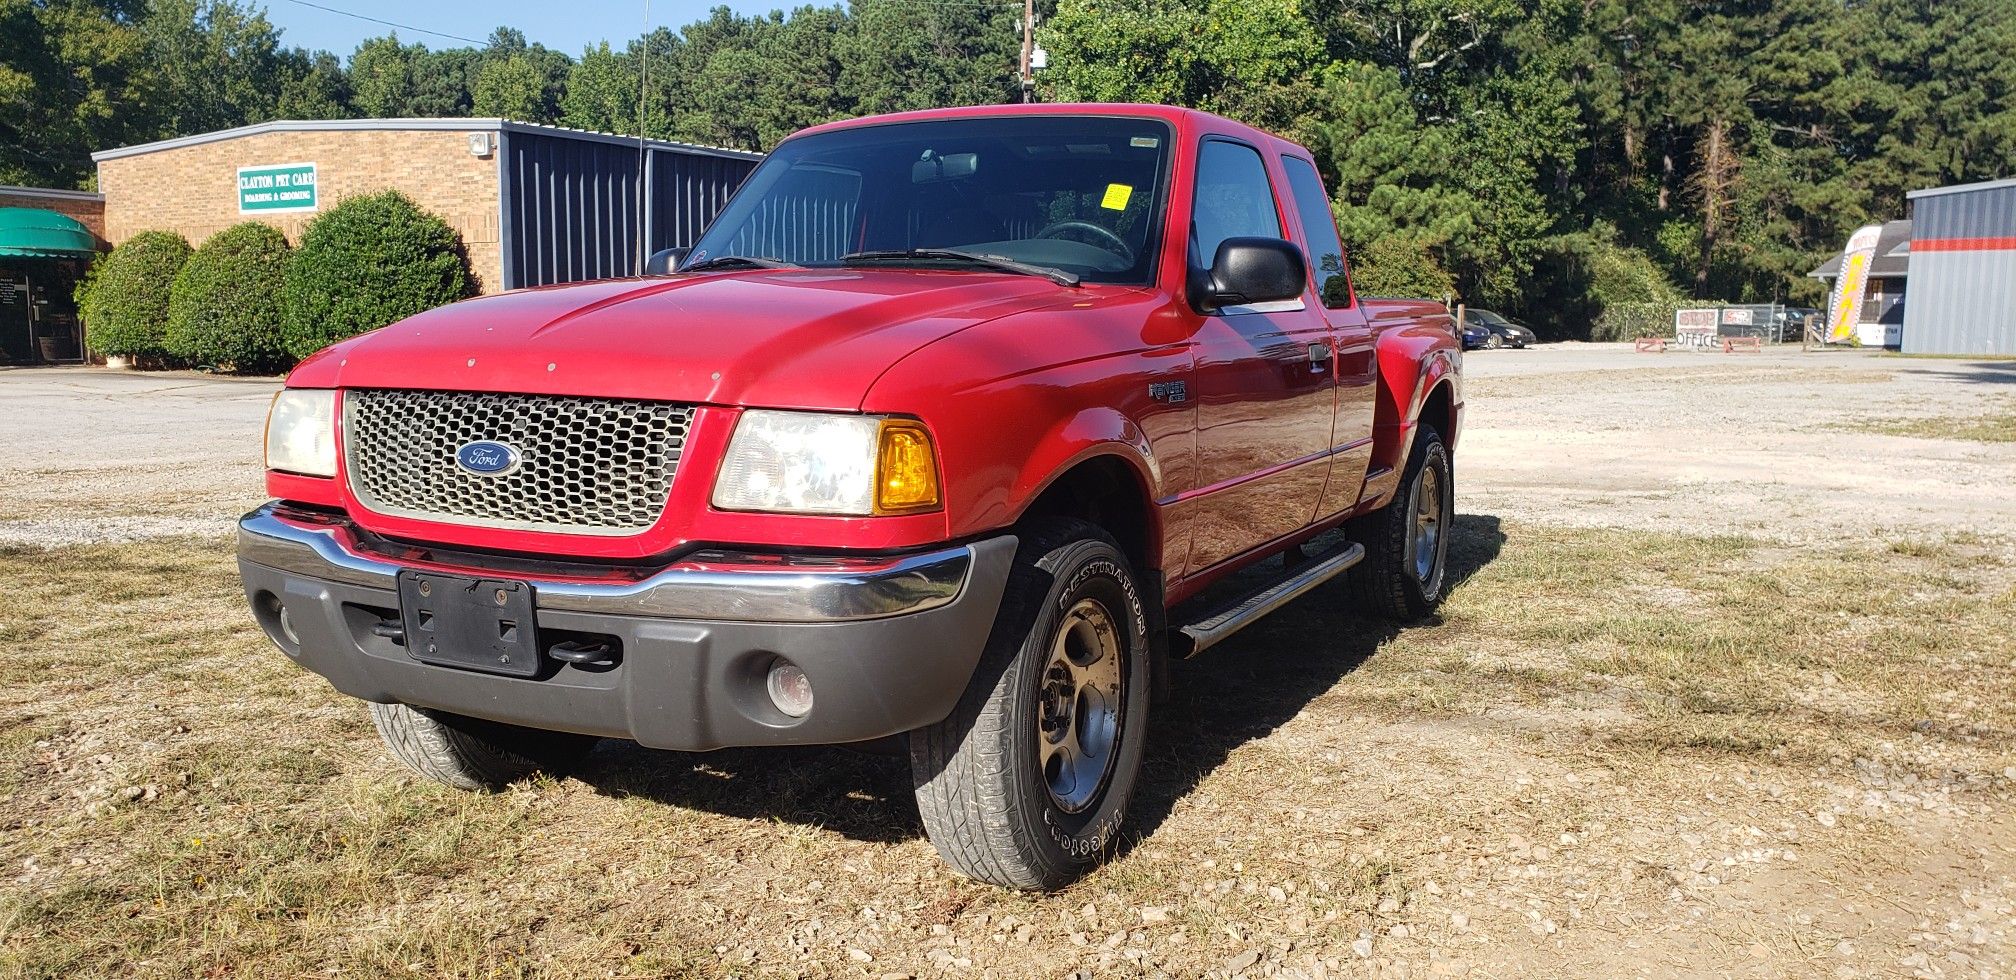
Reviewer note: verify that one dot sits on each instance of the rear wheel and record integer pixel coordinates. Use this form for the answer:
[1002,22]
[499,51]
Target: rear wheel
[1025,784]
[1407,541]
[470,753]
[1495,342]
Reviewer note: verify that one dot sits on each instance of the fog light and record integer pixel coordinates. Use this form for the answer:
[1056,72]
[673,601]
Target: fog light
[790,689]
[287,626]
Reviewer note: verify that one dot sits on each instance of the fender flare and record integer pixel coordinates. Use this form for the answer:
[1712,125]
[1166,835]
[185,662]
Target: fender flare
[1092,433]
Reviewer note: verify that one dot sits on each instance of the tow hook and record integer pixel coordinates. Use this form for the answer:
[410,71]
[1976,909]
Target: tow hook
[390,629]
[582,653]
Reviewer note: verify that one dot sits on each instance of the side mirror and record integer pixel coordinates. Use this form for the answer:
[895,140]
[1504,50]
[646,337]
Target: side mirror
[663,263]
[1247,271]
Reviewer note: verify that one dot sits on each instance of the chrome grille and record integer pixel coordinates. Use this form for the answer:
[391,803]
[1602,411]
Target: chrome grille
[587,465]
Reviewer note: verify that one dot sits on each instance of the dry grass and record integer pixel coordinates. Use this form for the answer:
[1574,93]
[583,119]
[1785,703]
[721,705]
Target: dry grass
[1995,424]
[1616,753]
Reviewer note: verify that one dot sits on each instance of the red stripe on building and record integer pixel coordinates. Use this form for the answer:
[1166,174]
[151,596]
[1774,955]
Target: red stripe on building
[1962,244]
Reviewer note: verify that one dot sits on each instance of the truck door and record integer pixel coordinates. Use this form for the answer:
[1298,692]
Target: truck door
[1357,367]
[1263,375]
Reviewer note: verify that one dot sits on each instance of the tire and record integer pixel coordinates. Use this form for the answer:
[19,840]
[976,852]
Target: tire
[1495,342]
[998,802]
[1393,581]
[470,753]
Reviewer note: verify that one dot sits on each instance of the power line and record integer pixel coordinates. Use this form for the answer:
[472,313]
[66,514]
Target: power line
[387,23]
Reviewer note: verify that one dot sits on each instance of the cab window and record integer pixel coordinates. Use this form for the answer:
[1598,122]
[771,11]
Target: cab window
[1234,199]
[1326,250]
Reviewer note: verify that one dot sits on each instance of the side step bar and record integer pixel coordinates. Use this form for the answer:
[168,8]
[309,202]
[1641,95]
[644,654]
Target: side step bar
[1221,623]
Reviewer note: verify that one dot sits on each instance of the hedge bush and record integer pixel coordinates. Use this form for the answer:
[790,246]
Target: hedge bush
[1633,294]
[365,263]
[227,306]
[125,300]
[1396,265]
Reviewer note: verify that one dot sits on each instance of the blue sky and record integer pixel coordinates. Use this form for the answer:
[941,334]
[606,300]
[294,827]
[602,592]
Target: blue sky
[565,25]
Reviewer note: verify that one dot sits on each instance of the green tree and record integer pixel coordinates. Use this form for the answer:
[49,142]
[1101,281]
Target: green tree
[1256,60]
[71,80]
[517,80]
[227,304]
[901,55]
[512,87]
[381,77]
[313,86]
[212,65]
[601,92]
[367,262]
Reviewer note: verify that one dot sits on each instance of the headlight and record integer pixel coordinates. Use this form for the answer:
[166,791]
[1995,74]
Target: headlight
[807,463]
[301,432]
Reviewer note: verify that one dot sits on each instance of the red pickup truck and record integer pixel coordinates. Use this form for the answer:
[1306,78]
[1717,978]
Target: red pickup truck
[943,430]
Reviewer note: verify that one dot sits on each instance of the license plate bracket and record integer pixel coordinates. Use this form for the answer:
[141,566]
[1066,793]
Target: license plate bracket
[474,623]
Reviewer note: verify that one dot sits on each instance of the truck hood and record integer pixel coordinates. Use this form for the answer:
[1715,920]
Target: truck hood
[800,338]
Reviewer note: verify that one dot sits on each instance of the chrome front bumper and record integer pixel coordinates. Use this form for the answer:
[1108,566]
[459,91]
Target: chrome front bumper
[801,591]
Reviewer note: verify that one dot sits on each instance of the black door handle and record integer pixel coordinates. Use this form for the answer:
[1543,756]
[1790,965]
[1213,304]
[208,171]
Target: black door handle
[1319,356]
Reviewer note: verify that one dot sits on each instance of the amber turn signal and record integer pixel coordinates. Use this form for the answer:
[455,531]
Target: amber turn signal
[906,472]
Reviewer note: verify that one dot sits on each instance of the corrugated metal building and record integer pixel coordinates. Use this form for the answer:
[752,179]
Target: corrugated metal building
[570,200]
[534,205]
[1963,270]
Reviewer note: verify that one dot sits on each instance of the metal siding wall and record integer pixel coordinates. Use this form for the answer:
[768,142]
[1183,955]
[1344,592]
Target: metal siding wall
[572,205]
[687,191]
[1987,213]
[1962,302]
[574,209]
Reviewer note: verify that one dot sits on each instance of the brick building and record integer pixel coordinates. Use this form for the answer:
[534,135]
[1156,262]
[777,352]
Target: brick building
[534,204]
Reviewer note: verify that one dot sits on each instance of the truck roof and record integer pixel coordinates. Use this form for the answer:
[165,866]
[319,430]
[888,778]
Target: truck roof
[1185,120]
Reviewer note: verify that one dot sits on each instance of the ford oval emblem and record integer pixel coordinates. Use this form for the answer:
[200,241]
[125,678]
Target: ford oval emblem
[486,458]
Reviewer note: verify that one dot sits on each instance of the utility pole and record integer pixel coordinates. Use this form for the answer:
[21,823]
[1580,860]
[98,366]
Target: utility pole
[1028,45]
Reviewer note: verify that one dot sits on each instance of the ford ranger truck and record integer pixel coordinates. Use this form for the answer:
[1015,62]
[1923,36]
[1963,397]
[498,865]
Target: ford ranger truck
[941,431]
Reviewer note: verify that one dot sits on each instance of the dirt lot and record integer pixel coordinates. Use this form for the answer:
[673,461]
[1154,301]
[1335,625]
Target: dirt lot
[1725,688]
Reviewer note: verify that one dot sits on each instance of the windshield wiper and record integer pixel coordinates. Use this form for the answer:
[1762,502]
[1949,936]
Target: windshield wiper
[998,262]
[754,261]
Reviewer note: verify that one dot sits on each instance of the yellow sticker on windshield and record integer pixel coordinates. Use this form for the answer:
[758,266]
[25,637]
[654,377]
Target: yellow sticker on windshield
[1117,196]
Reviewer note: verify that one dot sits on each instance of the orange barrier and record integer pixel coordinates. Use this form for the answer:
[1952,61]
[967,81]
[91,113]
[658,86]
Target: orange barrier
[1742,345]
[1656,345]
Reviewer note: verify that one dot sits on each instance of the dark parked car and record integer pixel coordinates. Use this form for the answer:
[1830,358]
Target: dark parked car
[1503,331]
[1790,323]
[1475,335]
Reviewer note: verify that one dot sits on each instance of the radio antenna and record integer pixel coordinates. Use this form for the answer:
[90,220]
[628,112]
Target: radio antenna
[643,173]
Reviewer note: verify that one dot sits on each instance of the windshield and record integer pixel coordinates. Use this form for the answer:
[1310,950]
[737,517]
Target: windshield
[1073,193]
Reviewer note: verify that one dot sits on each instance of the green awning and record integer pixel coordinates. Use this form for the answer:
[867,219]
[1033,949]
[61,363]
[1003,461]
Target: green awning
[37,234]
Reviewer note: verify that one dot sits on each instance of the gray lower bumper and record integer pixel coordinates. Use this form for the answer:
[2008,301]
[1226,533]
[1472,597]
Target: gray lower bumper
[888,645]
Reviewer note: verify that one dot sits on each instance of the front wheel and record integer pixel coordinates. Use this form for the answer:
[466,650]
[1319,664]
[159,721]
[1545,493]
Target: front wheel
[471,753]
[1025,784]
[1407,541]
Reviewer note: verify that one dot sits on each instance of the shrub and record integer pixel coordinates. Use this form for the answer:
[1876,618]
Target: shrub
[1633,295]
[365,263]
[1396,265]
[125,297]
[227,305]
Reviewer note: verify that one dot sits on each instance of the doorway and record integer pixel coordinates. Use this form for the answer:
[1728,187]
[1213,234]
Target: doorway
[38,312]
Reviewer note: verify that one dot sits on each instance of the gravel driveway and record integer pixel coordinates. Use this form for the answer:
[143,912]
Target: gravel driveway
[93,455]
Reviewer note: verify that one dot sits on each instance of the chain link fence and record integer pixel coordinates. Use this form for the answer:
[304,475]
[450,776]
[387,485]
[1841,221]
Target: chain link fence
[1707,327]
